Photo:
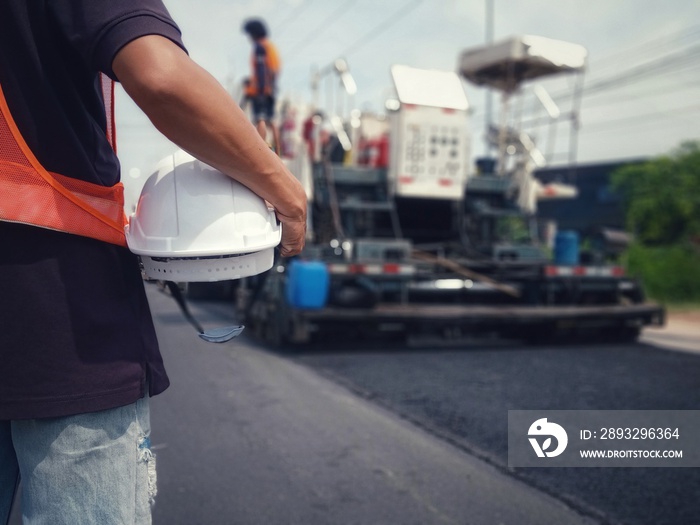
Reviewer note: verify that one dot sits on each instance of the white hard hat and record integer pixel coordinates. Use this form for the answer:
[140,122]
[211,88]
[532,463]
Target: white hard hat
[193,223]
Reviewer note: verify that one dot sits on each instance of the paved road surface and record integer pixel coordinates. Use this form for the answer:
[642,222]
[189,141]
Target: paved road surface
[463,395]
[246,436]
[383,435]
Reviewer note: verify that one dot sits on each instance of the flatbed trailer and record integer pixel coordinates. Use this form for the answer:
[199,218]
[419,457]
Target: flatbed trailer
[415,302]
[468,315]
[463,322]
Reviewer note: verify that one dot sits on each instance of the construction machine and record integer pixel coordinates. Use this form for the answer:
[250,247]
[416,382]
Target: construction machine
[407,240]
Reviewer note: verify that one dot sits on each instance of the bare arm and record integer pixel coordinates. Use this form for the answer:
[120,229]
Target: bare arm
[193,110]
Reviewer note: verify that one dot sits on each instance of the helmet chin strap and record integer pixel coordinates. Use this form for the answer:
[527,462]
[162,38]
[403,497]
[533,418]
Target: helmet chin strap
[214,335]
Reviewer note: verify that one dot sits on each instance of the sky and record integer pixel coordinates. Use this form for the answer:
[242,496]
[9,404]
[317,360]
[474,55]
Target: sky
[641,90]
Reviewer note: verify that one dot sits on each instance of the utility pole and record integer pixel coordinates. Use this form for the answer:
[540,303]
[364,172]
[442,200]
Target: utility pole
[489,30]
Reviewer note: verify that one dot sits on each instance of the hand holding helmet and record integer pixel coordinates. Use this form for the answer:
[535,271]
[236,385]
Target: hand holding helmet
[195,224]
[294,231]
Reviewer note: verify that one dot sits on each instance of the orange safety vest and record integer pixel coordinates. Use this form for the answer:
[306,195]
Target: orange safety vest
[272,67]
[29,194]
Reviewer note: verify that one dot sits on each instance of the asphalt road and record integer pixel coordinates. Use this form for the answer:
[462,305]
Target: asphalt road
[389,435]
[463,395]
[460,398]
[248,436]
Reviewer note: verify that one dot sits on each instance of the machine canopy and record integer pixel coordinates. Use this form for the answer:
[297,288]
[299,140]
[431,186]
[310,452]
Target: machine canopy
[506,64]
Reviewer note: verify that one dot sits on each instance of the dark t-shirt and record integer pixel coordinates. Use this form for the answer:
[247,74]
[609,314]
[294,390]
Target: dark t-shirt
[76,333]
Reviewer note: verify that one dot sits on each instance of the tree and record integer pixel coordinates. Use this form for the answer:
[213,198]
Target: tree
[662,197]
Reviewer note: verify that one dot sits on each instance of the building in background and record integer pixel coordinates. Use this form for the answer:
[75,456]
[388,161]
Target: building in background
[597,205]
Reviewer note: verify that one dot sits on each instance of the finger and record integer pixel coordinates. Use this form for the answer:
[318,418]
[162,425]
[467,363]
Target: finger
[293,239]
[292,247]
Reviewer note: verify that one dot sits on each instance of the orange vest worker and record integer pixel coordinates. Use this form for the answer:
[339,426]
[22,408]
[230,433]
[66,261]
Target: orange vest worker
[270,68]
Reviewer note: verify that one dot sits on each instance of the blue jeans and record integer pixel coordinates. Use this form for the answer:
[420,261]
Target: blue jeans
[94,468]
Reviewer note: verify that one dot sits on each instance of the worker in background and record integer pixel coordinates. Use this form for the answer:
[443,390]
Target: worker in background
[288,131]
[261,89]
[79,357]
[313,136]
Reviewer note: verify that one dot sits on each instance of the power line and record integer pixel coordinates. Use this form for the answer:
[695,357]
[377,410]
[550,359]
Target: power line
[685,37]
[651,68]
[380,28]
[682,60]
[325,23]
[284,24]
[679,61]
[658,126]
[625,97]
[608,101]
[623,56]
[640,119]
[598,129]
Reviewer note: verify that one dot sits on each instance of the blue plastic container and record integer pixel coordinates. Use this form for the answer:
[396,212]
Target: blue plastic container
[566,248]
[307,284]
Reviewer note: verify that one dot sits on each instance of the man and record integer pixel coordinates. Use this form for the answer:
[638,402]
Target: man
[78,353]
[261,87]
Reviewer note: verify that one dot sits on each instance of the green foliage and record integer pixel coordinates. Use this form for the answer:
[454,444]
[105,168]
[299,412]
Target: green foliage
[513,229]
[668,273]
[662,198]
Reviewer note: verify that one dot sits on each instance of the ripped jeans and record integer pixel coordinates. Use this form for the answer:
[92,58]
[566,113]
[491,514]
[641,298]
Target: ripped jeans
[94,468]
